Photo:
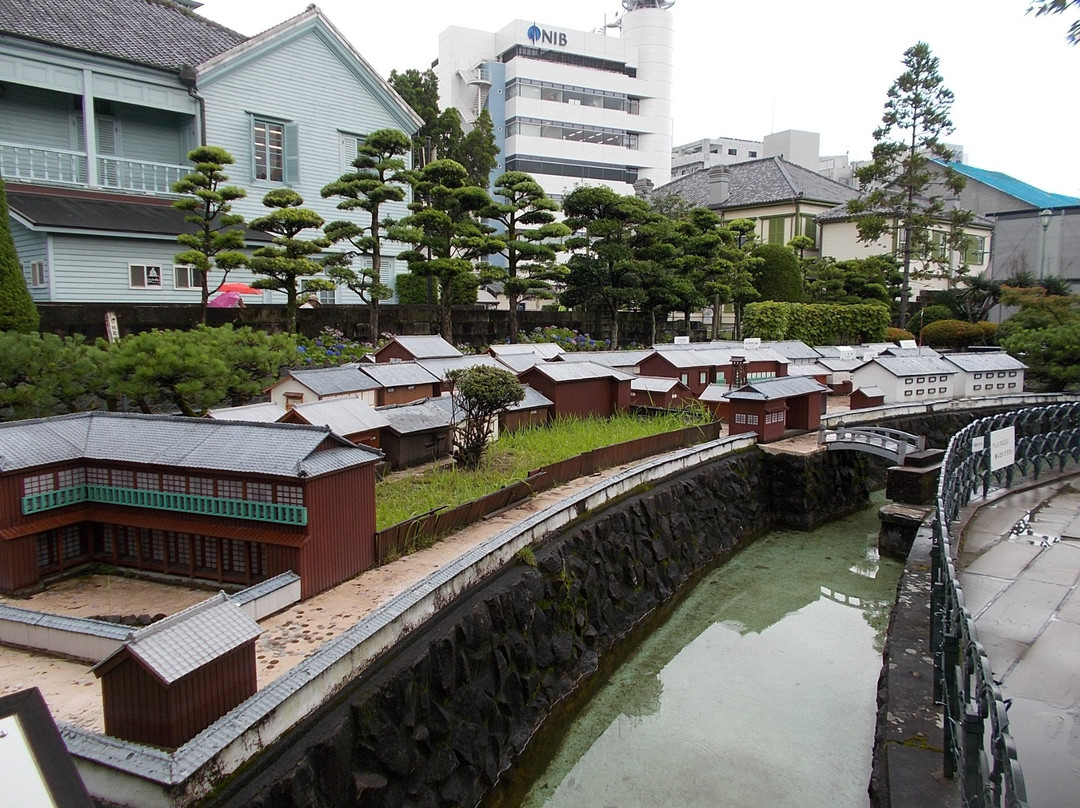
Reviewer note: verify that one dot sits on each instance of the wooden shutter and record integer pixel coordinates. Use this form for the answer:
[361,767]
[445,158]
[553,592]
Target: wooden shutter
[292,152]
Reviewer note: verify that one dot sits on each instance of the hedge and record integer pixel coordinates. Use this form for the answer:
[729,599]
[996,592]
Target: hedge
[816,323]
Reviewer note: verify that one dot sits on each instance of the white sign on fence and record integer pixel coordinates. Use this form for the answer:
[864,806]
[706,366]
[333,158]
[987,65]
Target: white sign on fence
[978,443]
[1002,448]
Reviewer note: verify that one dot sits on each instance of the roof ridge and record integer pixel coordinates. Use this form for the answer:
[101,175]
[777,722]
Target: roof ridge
[179,617]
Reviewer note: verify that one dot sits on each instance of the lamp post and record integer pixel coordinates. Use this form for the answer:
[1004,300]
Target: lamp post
[1044,219]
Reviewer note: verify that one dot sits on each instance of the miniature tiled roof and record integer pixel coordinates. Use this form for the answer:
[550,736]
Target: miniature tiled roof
[611,359]
[440,367]
[709,357]
[546,350]
[780,387]
[183,642]
[654,384]
[418,416]
[912,365]
[345,416]
[156,33]
[920,350]
[422,347]
[285,450]
[870,392]
[332,381]
[534,400]
[760,182]
[574,371]
[265,413]
[839,364]
[399,374]
[520,362]
[977,361]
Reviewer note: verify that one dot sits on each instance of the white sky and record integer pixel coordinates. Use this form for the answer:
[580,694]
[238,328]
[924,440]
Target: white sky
[744,68]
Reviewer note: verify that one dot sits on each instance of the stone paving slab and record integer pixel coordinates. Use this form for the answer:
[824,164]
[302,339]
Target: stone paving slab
[976,539]
[1070,609]
[1020,612]
[1073,530]
[1059,564]
[1049,671]
[1044,735]
[979,590]
[1006,559]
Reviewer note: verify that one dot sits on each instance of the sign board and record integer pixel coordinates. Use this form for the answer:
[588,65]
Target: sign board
[1002,448]
[978,444]
[112,328]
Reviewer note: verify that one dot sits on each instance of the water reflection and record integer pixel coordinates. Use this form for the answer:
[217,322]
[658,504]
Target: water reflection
[758,690]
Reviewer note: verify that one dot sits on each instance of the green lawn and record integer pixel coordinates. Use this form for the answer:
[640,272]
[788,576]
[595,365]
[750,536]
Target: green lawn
[405,495]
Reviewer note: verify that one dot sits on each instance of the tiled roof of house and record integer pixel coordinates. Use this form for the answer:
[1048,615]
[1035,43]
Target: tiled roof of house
[534,400]
[546,350]
[520,362]
[185,641]
[265,413]
[1028,194]
[287,450]
[156,33]
[977,361]
[759,182]
[418,416]
[399,374]
[612,359]
[654,384]
[900,366]
[780,387]
[423,347]
[574,371]
[440,367]
[345,416]
[333,381]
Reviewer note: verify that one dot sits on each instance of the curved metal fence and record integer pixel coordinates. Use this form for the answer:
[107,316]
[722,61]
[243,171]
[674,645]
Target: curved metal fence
[991,452]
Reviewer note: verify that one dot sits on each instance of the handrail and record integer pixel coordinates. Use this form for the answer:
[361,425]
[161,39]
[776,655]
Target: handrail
[964,682]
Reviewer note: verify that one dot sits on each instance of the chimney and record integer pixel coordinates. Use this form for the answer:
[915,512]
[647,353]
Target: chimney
[719,186]
[643,187]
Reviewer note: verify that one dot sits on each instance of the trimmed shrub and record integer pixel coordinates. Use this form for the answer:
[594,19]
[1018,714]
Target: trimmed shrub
[957,334]
[931,314]
[816,323]
[778,278]
[412,290]
[897,334]
[17,309]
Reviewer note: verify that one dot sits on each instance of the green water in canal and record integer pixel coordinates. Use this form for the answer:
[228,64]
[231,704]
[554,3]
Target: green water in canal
[758,690]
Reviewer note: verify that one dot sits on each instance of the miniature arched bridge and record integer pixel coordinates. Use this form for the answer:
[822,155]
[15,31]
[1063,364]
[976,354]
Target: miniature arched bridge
[891,444]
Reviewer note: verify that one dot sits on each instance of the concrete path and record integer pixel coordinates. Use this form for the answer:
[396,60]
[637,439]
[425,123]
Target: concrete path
[1019,565]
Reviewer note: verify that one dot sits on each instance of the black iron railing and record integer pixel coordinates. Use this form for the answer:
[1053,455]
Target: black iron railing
[978,745]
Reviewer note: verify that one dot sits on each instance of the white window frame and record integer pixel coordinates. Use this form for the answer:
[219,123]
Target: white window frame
[191,275]
[38,277]
[144,271]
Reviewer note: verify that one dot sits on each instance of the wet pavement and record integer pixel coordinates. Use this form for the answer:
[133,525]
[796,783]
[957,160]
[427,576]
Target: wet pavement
[1019,565]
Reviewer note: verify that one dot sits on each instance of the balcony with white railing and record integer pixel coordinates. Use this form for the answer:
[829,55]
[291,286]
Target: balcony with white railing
[20,162]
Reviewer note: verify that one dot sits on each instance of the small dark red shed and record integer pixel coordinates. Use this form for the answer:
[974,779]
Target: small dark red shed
[770,406]
[173,679]
[866,397]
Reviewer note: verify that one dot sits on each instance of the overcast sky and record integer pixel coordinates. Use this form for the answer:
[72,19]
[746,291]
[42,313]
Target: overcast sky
[744,69]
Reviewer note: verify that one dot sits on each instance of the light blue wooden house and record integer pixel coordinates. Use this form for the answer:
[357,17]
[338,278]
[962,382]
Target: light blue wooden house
[101,102]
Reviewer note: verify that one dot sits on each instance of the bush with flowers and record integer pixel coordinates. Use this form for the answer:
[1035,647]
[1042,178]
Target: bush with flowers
[330,348]
[566,338]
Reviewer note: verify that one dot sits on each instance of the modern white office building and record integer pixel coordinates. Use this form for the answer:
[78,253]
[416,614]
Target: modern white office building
[570,107]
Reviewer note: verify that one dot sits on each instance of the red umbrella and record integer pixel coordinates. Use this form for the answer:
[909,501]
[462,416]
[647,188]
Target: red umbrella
[242,288]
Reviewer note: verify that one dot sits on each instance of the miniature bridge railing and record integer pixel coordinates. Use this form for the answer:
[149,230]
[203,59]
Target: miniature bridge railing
[892,444]
[978,745]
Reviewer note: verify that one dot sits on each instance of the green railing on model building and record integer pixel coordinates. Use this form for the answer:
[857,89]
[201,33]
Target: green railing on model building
[166,501]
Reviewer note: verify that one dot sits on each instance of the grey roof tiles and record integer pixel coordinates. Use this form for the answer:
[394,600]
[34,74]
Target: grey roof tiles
[759,182]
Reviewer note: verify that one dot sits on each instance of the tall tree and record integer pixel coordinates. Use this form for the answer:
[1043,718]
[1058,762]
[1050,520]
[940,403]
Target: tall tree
[480,393]
[478,151]
[219,236]
[379,178]
[898,196]
[1057,7]
[17,309]
[420,90]
[288,259]
[529,230]
[603,269]
[446,236]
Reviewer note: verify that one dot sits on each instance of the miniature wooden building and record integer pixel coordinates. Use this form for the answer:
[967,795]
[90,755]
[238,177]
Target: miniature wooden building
[411,349]
[770,406]
[174,678]
[866,397]
[580,388]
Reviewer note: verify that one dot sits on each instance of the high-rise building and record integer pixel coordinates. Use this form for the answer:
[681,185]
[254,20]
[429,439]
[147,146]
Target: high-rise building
[570,107]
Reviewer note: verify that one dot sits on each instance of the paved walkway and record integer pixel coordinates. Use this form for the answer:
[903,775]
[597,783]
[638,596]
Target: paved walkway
[1019,565]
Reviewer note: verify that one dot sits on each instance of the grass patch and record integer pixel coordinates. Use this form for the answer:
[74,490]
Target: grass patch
[510,459]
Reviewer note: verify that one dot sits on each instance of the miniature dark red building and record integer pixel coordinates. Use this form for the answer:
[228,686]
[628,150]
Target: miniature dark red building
[770,406]
[580,389]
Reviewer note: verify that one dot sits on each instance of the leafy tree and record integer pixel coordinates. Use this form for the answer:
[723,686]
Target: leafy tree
[17,309]
[976,298]
[603,267]
[478,151]
[898,187]
[412,290]
[741,273]
[658,247]
[193,371]
[288,259]
[1036,310]
[219,235]
[1057,7]
[44,375]
[379,178]
[421,92]
[529,231]
[857,280]
[480,393]
[1051,354]
[445,234]
[777,277]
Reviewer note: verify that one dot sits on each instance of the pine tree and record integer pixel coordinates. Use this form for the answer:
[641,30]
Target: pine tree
[899,186]
[17,309]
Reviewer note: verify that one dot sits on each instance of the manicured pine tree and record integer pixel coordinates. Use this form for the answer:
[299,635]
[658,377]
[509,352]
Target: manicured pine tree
[17,309]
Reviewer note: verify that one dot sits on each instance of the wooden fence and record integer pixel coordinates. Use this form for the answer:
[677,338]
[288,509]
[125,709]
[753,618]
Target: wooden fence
[405,536]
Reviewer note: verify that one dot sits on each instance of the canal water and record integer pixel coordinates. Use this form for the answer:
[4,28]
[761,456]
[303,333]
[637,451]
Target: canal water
[758,690]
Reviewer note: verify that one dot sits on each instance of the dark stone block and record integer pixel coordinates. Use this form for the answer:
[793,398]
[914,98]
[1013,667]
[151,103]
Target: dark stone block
[912,485]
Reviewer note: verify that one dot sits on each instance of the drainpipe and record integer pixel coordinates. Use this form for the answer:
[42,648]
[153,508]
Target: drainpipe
[189,77]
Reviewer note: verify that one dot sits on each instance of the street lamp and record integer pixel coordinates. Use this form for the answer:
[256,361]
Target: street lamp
[1044,219]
